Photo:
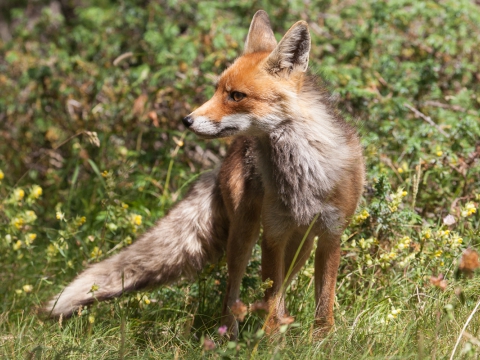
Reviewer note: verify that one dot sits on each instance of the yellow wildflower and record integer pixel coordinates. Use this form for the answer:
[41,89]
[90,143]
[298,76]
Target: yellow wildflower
[18,194]
[37,191]
[96,252]
[59,215]
[105,173]
[395,312]
[137,219]
[145,299]
[439,153]
[79,221]
[125,206]
[360,217]
[455,241]
[469,209]
[52,250]
[404,243]
[30,216]
[438,253]
[362,243]
[369,259]
[94,288]
[91,319]
[2,175]
[29,238]
[27,288]
[427,234]
[17,222]
[17,245]
[18,291]
[392,315]
[444,233]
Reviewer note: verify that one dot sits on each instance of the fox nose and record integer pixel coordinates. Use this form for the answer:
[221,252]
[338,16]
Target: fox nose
[187,121]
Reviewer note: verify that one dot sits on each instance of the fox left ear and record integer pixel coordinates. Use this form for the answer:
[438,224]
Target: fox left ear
[260,35]
[291,53]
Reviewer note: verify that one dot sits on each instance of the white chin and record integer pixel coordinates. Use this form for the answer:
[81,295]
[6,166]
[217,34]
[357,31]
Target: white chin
[228,126]
[217,135]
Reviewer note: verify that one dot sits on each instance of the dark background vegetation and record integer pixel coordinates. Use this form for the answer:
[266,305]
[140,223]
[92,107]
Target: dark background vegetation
[406,73]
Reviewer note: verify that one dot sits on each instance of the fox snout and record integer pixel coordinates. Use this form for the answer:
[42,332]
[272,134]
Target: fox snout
[187,121]
[208,128]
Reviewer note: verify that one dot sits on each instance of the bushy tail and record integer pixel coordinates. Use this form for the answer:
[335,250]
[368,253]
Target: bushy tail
[193,233]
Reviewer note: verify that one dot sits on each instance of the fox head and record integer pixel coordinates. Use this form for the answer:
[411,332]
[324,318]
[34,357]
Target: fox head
[253,94]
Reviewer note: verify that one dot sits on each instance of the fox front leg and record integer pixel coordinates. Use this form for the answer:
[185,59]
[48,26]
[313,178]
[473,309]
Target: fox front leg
[242,193]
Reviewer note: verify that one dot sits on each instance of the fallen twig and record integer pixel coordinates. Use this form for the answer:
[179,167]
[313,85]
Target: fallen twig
[463,329]
[428,119]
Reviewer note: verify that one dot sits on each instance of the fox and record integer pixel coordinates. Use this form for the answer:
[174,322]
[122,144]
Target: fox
[295,168]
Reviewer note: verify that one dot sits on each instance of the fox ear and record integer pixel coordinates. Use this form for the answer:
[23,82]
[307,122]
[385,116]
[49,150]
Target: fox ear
[260,35]
[291,53]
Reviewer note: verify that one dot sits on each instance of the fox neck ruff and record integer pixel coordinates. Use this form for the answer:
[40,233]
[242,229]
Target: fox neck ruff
[307,155]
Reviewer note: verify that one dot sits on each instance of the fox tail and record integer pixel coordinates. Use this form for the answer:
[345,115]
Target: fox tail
[192,234]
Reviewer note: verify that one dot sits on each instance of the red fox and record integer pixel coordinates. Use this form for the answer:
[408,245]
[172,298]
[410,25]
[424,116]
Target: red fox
[293,161]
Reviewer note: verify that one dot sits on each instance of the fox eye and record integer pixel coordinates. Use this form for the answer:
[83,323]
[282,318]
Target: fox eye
[237,96]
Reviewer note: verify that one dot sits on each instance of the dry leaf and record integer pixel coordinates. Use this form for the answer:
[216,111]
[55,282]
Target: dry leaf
[154,117]
[469,262]
[139,104]
[439,281]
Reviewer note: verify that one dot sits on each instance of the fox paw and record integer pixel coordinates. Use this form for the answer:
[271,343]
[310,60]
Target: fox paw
[322,328]
[273,324]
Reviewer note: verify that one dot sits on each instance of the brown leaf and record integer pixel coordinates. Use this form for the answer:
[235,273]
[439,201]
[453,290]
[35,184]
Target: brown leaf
[154,117]
[469,262]
[439,281]
[139,104]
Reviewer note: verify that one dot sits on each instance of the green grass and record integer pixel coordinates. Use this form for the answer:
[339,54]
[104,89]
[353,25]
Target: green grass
[423,329]
[395,67]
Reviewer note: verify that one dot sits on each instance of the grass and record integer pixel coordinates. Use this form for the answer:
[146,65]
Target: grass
[428,326]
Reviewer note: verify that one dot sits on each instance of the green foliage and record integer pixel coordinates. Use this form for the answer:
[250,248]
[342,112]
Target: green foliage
[93,152]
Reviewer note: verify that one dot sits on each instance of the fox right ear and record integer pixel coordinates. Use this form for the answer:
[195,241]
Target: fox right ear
[260,36]
[291,53]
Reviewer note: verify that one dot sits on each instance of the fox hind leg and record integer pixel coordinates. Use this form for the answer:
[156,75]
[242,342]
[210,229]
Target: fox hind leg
[327,261]
[303,254]
[277,263]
